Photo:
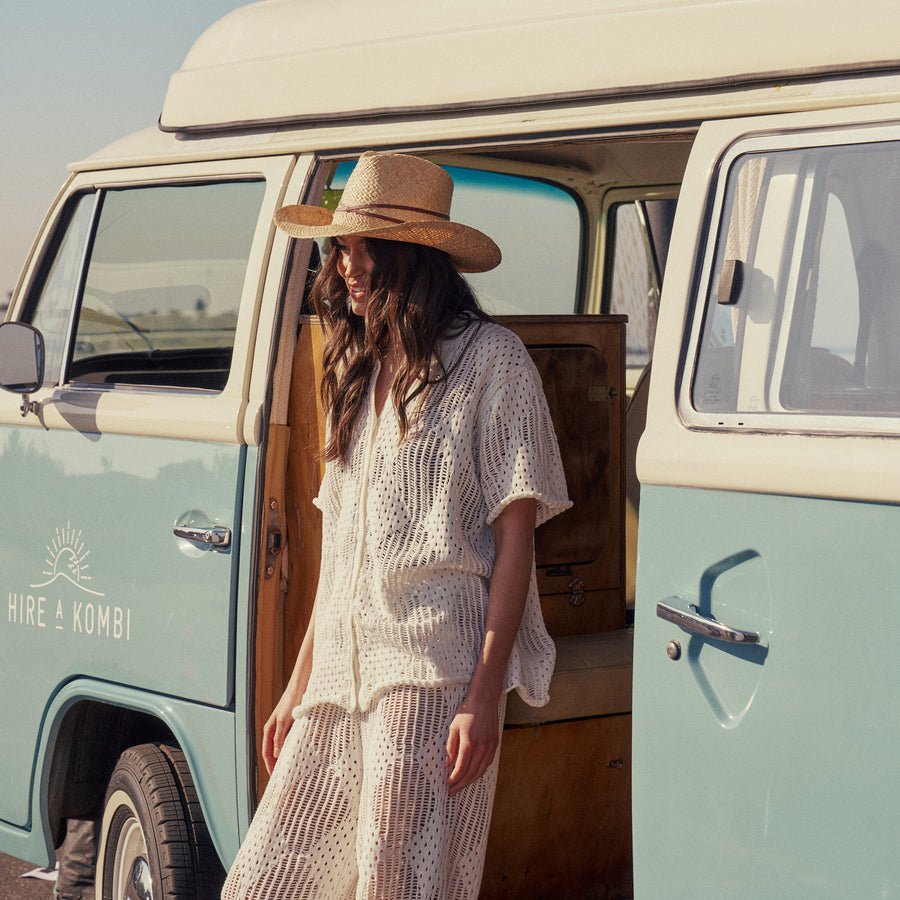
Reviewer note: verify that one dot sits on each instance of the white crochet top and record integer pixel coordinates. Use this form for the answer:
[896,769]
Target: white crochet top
[407,547]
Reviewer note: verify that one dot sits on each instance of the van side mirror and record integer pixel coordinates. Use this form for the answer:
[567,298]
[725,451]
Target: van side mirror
[21,361]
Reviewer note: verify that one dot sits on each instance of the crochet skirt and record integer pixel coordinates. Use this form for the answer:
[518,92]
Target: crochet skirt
[357,807]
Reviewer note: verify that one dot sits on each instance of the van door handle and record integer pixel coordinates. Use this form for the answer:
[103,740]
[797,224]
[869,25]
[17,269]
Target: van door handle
[217,535]
[691,621]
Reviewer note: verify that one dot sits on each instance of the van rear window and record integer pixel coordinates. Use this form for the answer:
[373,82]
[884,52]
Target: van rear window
[537,225]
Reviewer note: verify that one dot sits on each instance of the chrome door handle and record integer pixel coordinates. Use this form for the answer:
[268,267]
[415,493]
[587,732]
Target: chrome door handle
[216,535]
[702,625]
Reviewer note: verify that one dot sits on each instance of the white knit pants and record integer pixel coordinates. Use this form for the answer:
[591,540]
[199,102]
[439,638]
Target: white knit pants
[358,808]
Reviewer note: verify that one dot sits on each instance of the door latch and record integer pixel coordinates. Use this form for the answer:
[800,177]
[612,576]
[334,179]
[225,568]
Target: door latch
[697,624]
[576,586]
[217,536]
[274,540]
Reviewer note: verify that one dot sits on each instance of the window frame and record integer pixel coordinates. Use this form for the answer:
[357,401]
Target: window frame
[615,197]
[160,410]
[601,300]
[783,421]
[328,165]
[62,375]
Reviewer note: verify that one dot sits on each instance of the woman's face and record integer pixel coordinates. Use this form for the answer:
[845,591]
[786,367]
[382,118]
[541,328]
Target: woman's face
[355,266]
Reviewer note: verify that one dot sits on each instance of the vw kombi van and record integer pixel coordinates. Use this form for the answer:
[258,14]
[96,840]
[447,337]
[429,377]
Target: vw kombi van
[722,723]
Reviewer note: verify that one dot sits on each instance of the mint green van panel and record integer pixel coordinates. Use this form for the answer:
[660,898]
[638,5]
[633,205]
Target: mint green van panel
[245,759]
[95,583]
[206,735]
[773,771]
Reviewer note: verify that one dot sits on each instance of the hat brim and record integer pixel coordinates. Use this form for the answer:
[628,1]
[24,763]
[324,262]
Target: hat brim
[469,249]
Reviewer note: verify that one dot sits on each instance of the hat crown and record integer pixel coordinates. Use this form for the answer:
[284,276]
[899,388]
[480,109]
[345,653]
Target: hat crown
[405,188]
[390,196]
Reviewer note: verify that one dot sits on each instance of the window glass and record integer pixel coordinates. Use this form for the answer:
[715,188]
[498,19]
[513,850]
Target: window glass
[51,309]
[163,284]
[538,227]
[802,313]
[836,316]
[636,249]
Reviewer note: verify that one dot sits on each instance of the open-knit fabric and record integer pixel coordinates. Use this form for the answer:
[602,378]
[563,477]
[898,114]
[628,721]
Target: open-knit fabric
[358,804]
[407,542]
[358,808]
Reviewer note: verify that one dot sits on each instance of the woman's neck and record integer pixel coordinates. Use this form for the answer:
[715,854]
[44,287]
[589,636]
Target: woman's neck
[390,363]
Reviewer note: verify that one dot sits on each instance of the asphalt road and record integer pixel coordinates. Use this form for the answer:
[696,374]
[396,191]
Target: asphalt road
[14,887]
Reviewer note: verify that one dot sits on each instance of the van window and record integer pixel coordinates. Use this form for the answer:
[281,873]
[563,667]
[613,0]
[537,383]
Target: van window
[836,316]
[161,271]
[51,310]
[801,311]
[538,227]
[637,242]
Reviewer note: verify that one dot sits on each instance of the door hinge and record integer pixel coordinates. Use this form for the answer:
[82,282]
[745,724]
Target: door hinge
[274,539]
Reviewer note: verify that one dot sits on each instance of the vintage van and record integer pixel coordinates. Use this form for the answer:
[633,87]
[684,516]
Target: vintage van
[726,729]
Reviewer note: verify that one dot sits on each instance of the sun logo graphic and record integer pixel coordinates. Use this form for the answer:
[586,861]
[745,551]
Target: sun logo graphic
[67,559]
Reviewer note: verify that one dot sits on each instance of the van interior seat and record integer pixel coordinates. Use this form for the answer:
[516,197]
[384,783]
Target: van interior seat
[592,677]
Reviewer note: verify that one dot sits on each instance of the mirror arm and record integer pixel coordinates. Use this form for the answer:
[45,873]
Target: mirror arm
[29,406]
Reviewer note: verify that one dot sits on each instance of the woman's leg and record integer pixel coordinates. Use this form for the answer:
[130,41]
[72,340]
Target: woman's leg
[414,841]
[301,843]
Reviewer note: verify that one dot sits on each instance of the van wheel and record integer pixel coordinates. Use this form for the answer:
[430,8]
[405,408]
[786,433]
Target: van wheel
[154,844]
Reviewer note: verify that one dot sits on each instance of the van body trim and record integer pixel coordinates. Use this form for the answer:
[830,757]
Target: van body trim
[707,85]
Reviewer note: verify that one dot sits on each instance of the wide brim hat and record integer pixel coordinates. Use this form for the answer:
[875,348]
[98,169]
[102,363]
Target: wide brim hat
[397,198]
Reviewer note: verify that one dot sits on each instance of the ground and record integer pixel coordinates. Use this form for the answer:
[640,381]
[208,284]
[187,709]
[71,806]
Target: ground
[14,887]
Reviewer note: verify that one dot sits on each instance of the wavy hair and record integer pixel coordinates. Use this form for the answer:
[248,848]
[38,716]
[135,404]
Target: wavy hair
[416,299]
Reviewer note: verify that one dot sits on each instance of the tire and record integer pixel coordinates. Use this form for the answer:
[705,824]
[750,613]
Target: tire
[154,844]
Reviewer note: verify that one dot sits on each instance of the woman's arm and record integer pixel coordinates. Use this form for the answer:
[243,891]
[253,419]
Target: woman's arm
[279,723]
[474,732]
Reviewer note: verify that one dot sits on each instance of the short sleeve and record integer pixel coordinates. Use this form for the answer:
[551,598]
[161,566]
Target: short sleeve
[518,451]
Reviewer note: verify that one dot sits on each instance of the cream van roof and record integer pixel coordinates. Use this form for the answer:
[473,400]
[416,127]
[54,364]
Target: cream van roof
[299,61]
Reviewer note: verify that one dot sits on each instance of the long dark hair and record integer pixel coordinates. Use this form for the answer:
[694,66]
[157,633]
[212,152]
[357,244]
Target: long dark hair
[415,299]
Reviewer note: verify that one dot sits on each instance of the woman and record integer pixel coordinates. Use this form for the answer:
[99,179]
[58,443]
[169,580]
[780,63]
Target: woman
[440,461]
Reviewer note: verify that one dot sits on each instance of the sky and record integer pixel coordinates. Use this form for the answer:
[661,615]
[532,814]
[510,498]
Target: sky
[74,76]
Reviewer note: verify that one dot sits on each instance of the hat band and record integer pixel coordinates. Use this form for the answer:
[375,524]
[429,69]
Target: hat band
[367,210]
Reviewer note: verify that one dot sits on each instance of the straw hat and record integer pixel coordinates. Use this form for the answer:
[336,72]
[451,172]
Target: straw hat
[399,198]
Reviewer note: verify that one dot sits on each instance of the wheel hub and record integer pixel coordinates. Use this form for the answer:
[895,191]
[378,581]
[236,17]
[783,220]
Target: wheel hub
[140,880]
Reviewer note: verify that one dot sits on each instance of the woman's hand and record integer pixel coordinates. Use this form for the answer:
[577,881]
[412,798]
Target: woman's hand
[475,730]
[276,729]
[277,726]
[473,741]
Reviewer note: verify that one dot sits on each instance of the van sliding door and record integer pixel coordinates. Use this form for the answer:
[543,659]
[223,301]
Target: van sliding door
[766,710]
